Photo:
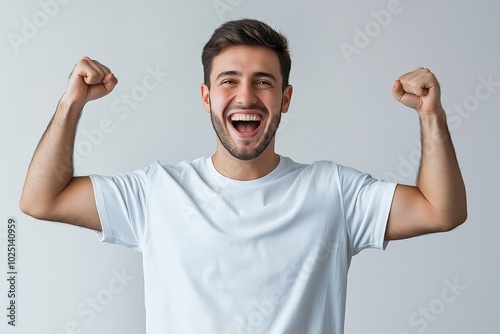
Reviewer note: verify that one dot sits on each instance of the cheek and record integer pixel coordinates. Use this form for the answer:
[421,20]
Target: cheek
[273,103]
[219,101]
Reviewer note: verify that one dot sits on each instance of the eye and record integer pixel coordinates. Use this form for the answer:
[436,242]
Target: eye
[228,82]
[263,83]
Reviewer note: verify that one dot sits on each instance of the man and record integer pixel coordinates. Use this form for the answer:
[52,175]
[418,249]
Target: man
[246,241]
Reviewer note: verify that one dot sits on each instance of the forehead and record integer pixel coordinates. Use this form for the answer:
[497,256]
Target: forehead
[247,60]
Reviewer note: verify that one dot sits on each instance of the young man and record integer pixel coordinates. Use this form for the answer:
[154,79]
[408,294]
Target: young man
[246,241]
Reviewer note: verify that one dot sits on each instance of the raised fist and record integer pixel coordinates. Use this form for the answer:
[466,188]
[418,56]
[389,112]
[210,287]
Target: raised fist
[419,90]
[90,80]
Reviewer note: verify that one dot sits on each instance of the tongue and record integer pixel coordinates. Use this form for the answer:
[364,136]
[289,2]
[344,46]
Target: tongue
[246,126]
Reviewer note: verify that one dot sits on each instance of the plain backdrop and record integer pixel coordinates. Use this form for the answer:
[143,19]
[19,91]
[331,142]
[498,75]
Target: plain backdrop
[346,56]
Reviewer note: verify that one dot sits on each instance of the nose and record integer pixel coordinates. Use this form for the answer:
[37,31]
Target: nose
[246,95]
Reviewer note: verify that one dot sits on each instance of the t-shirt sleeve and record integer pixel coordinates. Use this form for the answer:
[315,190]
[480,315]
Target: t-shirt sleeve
[367,203]
[121,203]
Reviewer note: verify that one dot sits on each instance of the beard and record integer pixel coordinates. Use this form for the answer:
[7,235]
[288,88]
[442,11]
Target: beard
[245,153]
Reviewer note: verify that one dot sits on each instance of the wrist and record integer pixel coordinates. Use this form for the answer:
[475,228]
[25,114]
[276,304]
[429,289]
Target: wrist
[69,102]
[69,110]
[436,118]
[434,127]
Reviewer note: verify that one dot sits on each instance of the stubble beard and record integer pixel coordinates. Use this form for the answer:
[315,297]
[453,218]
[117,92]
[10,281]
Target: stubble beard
[245,153]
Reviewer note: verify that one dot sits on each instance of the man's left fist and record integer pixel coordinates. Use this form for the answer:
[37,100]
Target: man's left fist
[419,90]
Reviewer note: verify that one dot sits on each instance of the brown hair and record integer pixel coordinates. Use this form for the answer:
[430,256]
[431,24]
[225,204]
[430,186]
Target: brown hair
[246,32]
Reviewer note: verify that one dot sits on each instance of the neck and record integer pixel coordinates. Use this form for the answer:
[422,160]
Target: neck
[245,170]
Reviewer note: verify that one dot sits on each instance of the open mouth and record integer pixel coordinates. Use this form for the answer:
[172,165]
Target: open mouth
[246,124]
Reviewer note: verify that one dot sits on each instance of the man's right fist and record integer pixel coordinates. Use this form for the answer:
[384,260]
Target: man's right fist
[90,80]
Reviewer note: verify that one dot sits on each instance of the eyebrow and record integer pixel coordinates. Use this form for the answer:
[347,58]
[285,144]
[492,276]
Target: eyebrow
[255,75]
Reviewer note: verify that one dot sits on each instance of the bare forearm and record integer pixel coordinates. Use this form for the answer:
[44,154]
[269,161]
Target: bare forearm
[51,168]
[440,179]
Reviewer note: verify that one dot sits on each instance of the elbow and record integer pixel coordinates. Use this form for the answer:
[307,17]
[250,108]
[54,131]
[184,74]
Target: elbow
[31,209]
[464,217]
[27,208]
[455,221]
[24,206]
[461,217]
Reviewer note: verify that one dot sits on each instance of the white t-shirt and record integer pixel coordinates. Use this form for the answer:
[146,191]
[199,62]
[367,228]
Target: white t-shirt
[237,257]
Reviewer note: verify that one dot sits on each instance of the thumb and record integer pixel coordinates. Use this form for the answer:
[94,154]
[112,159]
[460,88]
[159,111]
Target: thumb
[109,82]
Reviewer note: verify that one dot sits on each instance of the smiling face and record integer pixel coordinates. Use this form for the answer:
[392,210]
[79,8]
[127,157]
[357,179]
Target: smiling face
[245,99]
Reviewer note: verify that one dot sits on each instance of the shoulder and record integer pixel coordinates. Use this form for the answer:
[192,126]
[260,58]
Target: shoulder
[158,167]
[313,168]
[330,172]
[321,173]
[150,173]
[318,164]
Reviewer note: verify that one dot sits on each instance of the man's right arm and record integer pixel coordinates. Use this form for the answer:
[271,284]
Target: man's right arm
[51,191]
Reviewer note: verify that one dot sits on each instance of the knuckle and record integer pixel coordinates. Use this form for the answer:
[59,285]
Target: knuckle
[93,76]
[84,60]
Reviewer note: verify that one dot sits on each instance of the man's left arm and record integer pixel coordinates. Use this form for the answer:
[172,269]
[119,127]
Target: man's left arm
[438,202]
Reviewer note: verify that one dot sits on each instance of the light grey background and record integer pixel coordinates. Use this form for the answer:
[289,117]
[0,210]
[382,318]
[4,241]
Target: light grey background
[341,110]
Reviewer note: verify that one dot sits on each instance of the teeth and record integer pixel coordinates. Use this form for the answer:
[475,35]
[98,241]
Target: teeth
[245,117]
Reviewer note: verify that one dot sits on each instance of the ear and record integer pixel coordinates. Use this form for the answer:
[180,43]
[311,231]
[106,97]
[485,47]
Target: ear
[205,97]
[287,96]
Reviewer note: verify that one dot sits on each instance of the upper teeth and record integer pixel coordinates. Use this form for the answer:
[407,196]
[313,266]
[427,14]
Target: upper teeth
[245,117]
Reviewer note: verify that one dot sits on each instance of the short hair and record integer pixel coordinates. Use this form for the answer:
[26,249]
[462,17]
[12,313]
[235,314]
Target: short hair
[246,32]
